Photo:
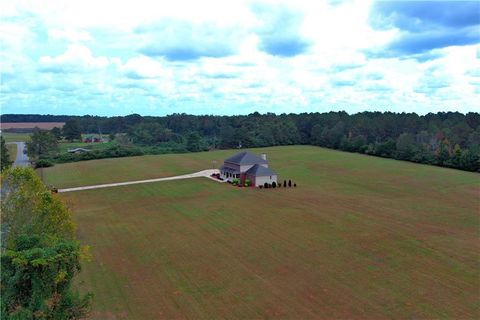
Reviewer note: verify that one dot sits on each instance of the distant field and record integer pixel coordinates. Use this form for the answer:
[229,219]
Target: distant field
[26,125]
[360,237]
[15,137]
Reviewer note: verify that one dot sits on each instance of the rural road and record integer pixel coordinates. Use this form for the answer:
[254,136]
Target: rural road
[203,173]
[21,160]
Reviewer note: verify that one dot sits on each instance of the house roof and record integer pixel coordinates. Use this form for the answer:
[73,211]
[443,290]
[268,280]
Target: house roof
[227,169]
[260,171]
[78,150]
[245,158]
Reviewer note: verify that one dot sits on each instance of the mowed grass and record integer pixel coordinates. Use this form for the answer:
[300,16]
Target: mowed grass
[12,151]
[360,237]
[130,168]
[15,137]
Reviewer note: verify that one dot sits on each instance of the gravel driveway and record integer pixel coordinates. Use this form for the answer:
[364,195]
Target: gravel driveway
[203,173]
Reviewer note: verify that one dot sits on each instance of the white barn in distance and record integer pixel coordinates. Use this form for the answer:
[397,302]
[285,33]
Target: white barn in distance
[246,165]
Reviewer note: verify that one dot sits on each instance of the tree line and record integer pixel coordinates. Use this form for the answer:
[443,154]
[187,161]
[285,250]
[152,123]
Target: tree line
[449,139]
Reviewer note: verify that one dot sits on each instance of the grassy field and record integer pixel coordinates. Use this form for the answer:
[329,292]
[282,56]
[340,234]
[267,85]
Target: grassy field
[12,151]
[15,137]
[360,237]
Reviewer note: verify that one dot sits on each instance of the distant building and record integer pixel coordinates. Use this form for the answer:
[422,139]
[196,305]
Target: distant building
[246,165]
[78,150]
[91,139]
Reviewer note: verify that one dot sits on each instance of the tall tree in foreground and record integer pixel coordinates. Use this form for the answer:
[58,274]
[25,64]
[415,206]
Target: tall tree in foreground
[40,255]
[5,157]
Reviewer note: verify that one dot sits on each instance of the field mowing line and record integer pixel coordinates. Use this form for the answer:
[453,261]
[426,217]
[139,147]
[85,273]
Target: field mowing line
[204,173]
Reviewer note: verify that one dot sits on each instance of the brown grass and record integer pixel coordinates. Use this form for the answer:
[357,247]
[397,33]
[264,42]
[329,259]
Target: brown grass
[359,238]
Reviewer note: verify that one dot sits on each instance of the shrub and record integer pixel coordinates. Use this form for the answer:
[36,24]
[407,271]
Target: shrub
[274,184]
[285,183]
[295,185]
[289,182]
[260,186]
[43,163]
[265,185]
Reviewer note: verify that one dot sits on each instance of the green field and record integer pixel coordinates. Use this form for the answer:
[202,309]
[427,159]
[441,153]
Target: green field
[15,137]
[12,151]
[360,237]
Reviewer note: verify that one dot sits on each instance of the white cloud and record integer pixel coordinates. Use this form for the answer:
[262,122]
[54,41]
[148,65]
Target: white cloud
[77,58]
[143,67]
[70,35]
[219,56]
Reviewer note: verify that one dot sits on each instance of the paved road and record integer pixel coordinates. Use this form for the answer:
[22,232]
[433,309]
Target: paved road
[21,160]
[203,173]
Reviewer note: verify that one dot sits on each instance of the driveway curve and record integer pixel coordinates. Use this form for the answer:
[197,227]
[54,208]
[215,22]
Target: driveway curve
[203,173]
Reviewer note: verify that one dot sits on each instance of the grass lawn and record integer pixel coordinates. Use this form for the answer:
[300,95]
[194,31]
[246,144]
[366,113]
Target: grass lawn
[360,237]
[15,137]
[12,151]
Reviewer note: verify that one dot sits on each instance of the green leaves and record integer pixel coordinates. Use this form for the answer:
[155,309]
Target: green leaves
[41,255]
[5,161]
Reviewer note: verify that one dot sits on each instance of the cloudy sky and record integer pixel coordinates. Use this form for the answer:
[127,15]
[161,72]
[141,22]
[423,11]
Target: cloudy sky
[236,57]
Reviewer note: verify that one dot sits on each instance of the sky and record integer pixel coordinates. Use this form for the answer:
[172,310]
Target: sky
[236,57]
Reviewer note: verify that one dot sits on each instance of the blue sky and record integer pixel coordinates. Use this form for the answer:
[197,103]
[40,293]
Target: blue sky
[236,57]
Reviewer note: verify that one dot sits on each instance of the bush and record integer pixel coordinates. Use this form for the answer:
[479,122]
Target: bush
[295,185]
[265,185]
[260,186]
[43,163]
[274,184]
[285,183]
[289,182]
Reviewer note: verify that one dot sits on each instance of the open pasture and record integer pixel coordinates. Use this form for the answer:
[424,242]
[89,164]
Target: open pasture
[360,237]
[15,137]
[12,151]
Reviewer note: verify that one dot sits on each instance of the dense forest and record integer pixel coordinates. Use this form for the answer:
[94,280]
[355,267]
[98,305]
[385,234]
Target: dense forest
[450,139]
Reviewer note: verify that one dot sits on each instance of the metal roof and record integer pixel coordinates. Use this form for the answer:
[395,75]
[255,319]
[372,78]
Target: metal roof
[245,158]
[260,171]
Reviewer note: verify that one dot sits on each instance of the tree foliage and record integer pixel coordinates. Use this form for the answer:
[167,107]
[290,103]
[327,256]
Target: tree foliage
[72,130]
[5,161]
[41,143]
[431,138]
[40,255]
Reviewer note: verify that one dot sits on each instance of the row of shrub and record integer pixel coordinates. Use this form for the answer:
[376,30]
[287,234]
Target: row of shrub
[267,185]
